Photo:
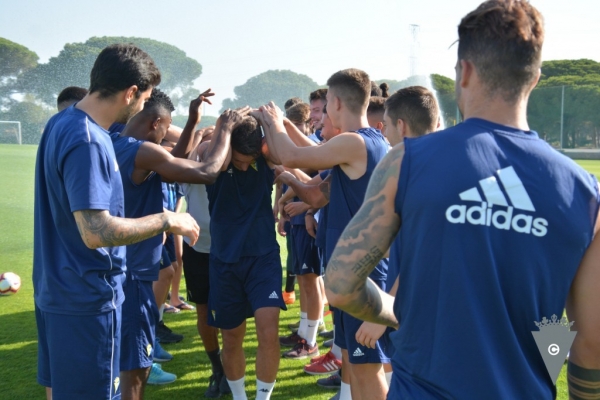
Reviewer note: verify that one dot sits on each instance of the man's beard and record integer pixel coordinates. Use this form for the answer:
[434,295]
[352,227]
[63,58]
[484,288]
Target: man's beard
[126,114]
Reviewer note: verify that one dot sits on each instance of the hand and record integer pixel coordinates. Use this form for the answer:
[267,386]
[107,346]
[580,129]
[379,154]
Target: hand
[231,118]
[295,208]
[271,114]
[196,106]
[369,333]
[280,227]
[311,225]
[276,211]
[183,224]
[285,177]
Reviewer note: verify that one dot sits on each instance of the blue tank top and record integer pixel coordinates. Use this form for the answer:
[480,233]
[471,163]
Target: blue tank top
[143,258]
[347,195]
[494,225]
[241,217]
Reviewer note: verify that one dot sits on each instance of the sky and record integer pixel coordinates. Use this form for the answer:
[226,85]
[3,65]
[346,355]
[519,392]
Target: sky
[235,40]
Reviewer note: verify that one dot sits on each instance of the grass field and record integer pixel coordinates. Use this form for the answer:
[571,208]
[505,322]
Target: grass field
[18,338]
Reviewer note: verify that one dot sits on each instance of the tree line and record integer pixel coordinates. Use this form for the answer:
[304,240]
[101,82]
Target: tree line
[562,108]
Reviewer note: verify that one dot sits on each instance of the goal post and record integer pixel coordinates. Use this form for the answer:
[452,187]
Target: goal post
[17,131]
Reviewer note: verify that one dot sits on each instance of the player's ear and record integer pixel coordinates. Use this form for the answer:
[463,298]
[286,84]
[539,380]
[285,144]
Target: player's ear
[155,123]
[379,125]
[466,71]
[130,93]
[402,128]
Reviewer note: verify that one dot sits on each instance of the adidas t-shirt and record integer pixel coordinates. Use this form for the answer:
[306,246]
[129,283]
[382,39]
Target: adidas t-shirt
[494,225]
[76,169]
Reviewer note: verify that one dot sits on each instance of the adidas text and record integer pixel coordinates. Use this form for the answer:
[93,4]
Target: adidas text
[501,219]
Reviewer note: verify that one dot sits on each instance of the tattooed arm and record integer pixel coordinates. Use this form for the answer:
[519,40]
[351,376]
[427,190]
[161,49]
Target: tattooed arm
[363,243]
[100,229]
[583,371]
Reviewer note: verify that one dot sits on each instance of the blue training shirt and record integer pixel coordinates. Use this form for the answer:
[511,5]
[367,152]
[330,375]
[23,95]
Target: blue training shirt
[143,258]
[76,169]
[347,195]
[494,225]
[241,216]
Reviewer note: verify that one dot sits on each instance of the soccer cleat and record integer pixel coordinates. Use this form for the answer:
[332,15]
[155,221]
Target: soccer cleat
[328,343]
[302,350]
[331,382]
[326,334]
[289,298]
[166,335]
[160,354]
[294,327]
[290,340]
[214,386]
[160,377]
[224,386]
[328,364]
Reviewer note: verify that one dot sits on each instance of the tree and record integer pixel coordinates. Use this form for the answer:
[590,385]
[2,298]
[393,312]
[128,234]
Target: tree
[73,64]
[272,85]
[15,59]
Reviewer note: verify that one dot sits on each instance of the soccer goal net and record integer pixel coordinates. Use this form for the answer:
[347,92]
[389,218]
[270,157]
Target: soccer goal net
[10,132]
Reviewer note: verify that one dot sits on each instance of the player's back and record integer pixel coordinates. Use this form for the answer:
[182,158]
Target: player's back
[494,226]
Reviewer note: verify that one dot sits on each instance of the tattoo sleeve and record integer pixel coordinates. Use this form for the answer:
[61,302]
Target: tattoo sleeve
[584,384]
[362,245]
[99,229]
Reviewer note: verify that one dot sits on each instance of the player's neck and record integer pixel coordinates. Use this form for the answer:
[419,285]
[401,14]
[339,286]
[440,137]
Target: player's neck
[102,111]
[498,111]
[353,122]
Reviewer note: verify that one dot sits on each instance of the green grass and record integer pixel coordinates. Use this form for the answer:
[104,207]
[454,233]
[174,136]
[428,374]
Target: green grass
[18,337]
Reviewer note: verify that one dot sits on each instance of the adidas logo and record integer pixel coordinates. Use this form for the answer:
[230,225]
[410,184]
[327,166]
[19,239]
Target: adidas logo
[358,352]
[304,266]
[505,219]
[273,295]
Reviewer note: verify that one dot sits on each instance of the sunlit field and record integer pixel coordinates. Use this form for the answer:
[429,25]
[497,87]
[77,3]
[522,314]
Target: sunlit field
[18,339]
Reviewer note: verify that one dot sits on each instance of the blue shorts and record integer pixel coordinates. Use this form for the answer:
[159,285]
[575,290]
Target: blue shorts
[168,252]
[306,255]
[346,327]
[78,355]
[140,316]
[237,290]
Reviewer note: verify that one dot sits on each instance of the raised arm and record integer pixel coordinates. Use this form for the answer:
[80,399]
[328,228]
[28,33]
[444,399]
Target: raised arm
[583,371]
[363,243]
[185,144]
[100,229]
[346,148]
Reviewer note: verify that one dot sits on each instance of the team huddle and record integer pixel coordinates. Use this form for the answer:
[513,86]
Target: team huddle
[436,251]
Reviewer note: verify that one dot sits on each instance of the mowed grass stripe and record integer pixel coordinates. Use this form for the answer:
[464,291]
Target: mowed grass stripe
[18,336]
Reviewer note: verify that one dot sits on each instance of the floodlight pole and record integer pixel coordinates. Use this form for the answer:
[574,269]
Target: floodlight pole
[562,115]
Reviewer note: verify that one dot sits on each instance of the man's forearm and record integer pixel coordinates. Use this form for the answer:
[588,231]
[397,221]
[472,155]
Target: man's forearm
[99,229]
[185,144]
[216,154]
[299,139]
[310,194]
[280,143]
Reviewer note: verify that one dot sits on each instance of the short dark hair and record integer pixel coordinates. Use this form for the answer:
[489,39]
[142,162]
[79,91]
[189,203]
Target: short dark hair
[353,87]
[120,66]
[376,105]
[298,113]
[158,103]
[71,93]
[319,94]
[246,138]
[375,90]
[416,106]
[291,102]
[503,39]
